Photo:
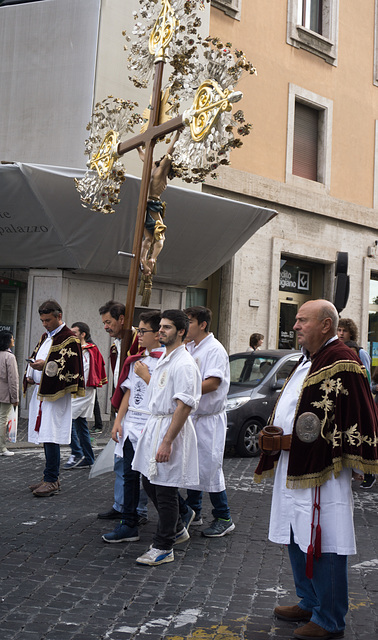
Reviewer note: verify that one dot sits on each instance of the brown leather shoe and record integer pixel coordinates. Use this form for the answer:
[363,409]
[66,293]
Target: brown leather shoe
[46,489]
[292,614]
[35,486]
[312,631]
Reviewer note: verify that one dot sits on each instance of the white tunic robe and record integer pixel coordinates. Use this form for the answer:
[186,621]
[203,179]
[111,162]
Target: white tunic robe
[210,419]
[83,406]
[292,508]
[176,377]
[137,412]
[56,418]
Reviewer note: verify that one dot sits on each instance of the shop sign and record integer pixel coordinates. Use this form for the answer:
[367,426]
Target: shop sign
[295,279]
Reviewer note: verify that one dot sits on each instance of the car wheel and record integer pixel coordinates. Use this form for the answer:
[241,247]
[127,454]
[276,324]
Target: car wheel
[248,441]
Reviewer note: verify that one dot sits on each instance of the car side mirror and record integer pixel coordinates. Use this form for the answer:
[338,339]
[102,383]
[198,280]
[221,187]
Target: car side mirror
[277,386]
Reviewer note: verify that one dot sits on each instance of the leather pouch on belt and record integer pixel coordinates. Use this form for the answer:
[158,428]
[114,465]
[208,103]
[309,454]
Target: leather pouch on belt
[272,440]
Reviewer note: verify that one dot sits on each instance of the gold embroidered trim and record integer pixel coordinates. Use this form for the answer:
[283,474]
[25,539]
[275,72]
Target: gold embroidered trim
[60,394]
[265,475]
[317,479]
[331,370]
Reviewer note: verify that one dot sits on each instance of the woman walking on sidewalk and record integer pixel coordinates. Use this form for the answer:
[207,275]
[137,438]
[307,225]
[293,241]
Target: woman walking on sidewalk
[9,386]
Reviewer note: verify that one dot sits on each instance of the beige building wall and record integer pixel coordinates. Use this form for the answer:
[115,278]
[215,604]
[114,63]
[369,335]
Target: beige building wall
[314,220]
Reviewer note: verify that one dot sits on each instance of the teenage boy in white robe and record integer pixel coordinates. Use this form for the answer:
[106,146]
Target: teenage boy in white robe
[210,423]
[166,453]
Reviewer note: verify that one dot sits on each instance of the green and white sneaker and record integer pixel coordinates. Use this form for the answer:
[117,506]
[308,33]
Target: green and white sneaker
[218,528]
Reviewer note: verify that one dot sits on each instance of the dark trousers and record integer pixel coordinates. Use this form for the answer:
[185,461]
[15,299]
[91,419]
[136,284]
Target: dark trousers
[166,503]
[52,455]
[131,482]
[97,413]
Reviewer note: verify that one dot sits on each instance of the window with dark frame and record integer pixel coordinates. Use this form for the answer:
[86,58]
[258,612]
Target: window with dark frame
[306,141]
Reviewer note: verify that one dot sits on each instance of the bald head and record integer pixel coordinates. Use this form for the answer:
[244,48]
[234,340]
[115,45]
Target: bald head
[316,322]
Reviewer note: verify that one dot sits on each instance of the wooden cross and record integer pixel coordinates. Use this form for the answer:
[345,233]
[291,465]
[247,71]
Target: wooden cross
[159,41]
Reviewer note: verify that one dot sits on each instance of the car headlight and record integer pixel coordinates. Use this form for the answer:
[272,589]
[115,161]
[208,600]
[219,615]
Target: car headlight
[235,403]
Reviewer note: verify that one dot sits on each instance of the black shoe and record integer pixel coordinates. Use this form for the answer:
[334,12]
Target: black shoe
[369,482]
[95,429]
[142,520]
[83,463]
[113,514]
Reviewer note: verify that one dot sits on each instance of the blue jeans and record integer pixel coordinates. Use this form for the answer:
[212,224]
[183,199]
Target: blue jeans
[218,500]
[52,455]
[326,594]
[118,483]
[81,440]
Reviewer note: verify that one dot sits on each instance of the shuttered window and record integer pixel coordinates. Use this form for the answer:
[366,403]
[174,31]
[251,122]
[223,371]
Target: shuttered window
[306,140]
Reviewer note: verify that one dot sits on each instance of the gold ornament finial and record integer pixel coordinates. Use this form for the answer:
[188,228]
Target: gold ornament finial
[163,31]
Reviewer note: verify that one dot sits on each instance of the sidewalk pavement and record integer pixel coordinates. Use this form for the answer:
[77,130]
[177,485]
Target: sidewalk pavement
[60,581]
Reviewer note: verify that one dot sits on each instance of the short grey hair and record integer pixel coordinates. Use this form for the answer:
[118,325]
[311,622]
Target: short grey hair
[328,310]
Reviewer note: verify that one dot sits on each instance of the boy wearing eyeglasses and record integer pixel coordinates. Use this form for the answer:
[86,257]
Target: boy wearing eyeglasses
[130,400]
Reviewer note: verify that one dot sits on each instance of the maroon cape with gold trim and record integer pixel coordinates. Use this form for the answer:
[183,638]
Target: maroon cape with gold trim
[97,374]
[336,389]
[64,365]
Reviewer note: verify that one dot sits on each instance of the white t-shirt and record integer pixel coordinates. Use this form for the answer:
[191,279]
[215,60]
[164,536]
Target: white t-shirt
[136,416]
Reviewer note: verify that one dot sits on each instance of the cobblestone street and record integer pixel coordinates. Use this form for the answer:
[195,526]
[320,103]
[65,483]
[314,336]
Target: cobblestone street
[59,581]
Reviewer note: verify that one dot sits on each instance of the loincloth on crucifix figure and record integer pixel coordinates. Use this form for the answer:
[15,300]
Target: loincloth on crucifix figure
[154,235]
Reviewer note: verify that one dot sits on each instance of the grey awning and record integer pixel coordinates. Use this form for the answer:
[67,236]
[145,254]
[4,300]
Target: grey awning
[43,225]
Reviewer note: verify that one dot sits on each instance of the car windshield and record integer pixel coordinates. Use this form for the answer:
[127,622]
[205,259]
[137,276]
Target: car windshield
[249,369]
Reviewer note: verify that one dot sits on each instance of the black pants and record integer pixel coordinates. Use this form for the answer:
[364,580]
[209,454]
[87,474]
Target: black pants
[131,485]
[166,503]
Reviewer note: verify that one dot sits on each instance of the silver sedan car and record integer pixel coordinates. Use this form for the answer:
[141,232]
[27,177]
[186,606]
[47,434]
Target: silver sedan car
[256,379]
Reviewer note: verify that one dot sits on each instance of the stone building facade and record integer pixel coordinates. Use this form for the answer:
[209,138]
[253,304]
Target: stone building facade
[312,156]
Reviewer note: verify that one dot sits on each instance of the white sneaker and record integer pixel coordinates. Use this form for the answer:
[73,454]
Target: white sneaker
[156,556]
[182,536]
[7,453]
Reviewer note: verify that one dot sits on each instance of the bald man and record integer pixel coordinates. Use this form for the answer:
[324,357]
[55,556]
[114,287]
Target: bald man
[330,429]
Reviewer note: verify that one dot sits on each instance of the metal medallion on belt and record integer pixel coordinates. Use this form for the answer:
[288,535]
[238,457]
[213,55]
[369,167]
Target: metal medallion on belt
[51,369]
[308,427]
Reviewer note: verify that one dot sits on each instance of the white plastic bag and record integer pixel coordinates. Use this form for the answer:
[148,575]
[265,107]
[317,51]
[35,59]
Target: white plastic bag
[12,424]
[105,461]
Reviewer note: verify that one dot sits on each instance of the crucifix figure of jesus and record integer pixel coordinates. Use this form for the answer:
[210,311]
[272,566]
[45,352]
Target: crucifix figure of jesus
[154,228]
